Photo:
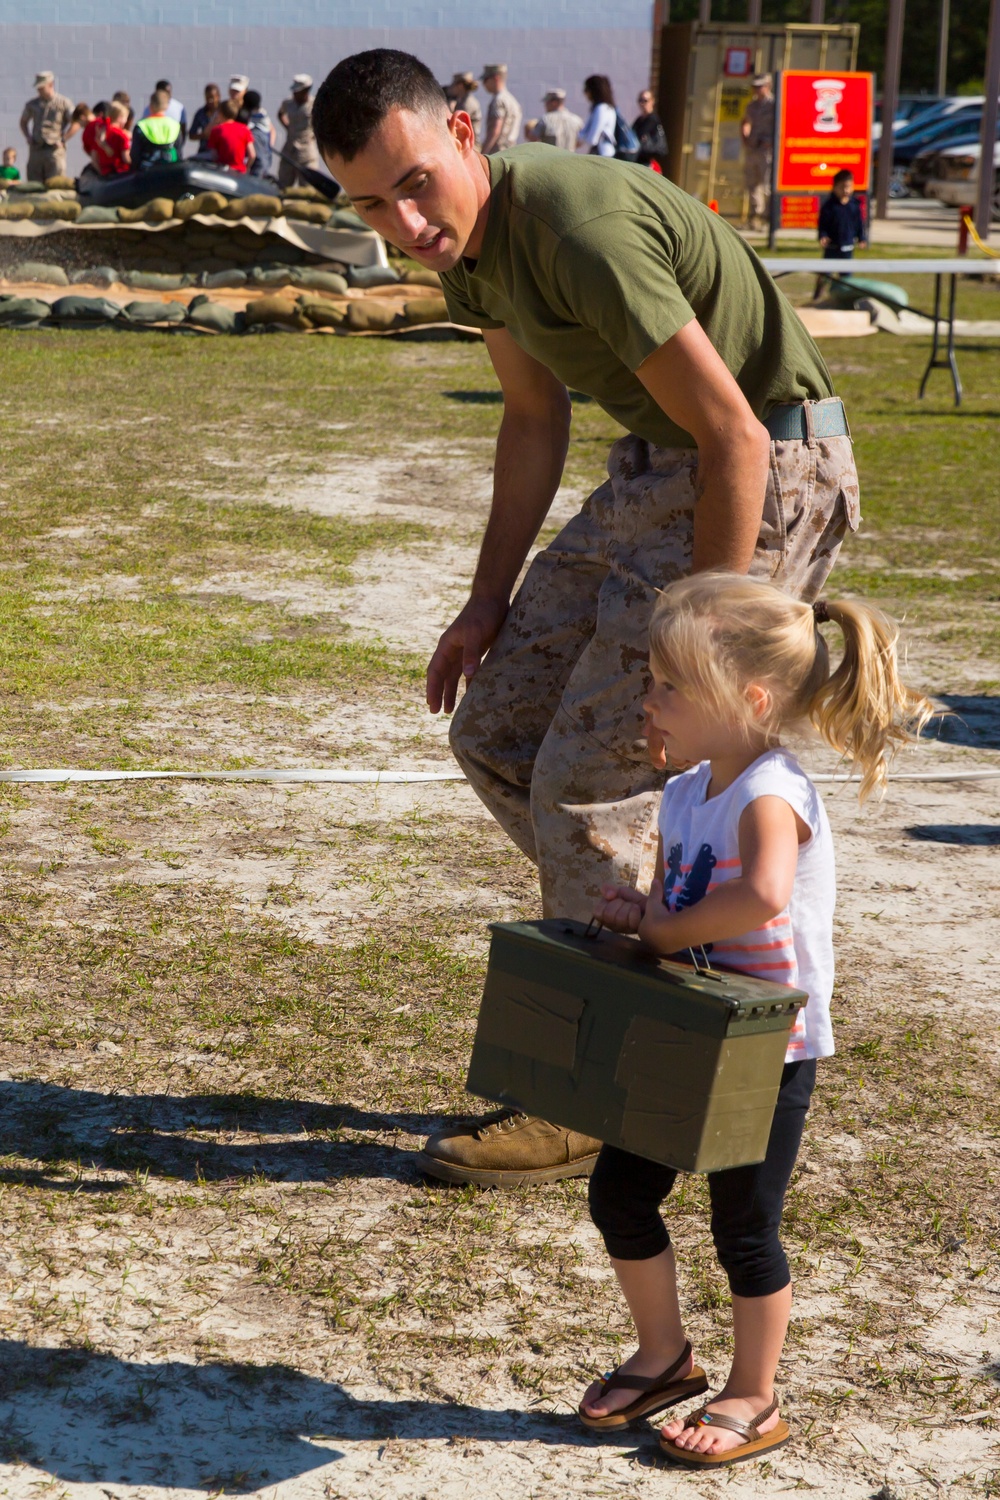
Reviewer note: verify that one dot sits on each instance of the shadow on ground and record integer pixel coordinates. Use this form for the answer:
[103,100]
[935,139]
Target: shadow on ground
[982,834]
[86,1417]
[972,721]
[46,1123]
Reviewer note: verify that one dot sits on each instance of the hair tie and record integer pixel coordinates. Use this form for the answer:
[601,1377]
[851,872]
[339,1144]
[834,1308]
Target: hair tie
[821,611]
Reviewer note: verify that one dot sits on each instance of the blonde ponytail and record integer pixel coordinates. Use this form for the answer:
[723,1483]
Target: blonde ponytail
[863,708]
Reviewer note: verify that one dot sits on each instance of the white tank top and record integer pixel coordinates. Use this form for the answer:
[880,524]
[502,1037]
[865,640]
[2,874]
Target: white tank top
[701,849]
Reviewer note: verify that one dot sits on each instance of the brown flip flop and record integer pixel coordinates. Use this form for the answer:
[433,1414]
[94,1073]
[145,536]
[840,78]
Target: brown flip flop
[755,1446]
[657,1391]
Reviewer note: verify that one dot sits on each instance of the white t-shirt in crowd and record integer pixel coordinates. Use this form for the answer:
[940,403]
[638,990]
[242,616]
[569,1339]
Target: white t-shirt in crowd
[701,849]
[599,130]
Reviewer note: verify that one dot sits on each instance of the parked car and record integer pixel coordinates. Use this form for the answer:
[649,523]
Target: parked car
[926,130]
[955,178]
[908,107]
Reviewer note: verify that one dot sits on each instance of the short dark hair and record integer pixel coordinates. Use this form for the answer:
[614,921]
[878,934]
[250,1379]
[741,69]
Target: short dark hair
[598,89]
[355,97]
[844,175]
[251,99]
[164,83]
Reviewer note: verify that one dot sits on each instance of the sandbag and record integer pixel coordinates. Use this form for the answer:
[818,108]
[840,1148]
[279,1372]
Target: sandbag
[275,310]
[308,213]
[204,313]
[367,316]
[302,190]
[253,206]
[277,252]
[420,278]
[17,210]
[22,312]
[29,186]
[95,214]
[200,203]
[321,313]
[60,182]
[144,314]
[346,218]
[156,211]
[319,281]
[426,310]
[95,276]
[86,311]
[270,276]
[369,276]
[223,278]
[48,212]
[39,270]
[156,281]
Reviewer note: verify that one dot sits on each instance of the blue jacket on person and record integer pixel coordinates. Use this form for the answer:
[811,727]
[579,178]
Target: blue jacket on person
[843,224]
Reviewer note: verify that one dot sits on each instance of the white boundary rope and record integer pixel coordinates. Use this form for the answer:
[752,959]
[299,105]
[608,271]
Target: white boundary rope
[396,778]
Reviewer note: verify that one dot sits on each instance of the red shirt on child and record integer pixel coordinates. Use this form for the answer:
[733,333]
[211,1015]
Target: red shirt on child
[229,140]
[110,142]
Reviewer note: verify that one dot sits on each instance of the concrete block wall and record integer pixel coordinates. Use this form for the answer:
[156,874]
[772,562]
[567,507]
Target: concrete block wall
[94,53]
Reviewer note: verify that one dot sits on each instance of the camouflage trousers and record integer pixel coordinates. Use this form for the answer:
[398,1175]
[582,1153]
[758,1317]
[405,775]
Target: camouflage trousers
[757,171]
[550,730]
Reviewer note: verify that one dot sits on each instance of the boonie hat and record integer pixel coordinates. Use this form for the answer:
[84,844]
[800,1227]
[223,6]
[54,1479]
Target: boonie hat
[559,94]
[762,81]
[467,80]
[42,78]
[301,81]
[490,70]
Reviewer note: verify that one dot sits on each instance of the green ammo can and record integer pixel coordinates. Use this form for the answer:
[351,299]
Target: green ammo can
[593,1032]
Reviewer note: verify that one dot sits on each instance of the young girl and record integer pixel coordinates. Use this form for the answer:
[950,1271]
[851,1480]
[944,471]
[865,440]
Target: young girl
[745,867]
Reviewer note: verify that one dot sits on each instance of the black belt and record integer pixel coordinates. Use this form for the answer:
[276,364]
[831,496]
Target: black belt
[790,422]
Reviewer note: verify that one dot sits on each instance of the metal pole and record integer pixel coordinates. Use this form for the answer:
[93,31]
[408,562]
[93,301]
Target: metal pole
[942,66]
[817,12]
[753,12]
[890,99]
[704,11]
[988,133]
[774,205]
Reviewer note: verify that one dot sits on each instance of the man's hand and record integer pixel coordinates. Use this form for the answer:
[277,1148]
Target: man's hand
[621,907]
[461,649]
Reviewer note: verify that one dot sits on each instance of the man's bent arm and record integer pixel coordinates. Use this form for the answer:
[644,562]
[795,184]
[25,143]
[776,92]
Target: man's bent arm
[687,378]
[531,452]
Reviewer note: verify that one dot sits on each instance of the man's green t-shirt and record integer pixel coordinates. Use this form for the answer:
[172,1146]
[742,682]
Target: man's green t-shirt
[592,264]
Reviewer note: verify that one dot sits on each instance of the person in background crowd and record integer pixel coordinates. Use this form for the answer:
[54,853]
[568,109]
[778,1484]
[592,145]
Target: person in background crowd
[757,130]
[175,108]
[600,131]
[462,89]
[649,128]
[47,124]
[231,142]
[238,85]
[558,126]
[205,116]
[122,98]
[263,132]
[9,171]
[295,115]
[106,141]
[503,117]
[156,138]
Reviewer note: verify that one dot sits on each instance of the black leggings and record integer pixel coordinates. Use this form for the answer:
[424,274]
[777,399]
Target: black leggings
[626,1192]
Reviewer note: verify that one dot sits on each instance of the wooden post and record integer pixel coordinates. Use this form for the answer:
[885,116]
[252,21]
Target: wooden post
[942,63]
[988,133]
[753,12]
[890,99]
[817,12]
[704,11]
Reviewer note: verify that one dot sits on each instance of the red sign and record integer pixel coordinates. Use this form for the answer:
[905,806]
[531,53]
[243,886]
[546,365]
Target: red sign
[800,212]
[739,62]
[825,125]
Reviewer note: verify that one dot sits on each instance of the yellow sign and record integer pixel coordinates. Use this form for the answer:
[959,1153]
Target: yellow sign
[733,100]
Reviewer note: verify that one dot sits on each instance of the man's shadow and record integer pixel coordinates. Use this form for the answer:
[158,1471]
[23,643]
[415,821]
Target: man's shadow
[159,1133]
[86,1417]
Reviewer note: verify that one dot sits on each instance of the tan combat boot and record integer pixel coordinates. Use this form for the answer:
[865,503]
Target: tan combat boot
[507,1149]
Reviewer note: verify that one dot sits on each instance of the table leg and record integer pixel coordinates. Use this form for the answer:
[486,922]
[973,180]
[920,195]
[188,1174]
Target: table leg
[956,379]
[932,362]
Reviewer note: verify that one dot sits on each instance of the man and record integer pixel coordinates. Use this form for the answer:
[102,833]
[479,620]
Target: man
[462,90]
[231,142]
[757,130]
[503,117]
[300,143]
[47,124]
[156,138]
[205,116]
[175,108]
[238,85]
[649,128]
[558,126]
[587,275]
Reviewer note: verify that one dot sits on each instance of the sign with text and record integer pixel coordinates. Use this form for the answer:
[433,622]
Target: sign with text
[825,125]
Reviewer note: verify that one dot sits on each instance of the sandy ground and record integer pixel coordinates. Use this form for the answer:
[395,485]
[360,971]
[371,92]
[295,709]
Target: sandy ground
[289,1406]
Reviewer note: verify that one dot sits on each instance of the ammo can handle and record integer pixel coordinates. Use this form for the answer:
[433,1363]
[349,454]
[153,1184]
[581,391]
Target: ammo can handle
[595,927]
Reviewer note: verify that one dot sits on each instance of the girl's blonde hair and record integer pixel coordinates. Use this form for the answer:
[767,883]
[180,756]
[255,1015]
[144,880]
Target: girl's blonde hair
[713,635]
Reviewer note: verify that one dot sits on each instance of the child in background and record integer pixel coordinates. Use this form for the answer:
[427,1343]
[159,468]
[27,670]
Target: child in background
[841,221]
[9,171]
[745,865]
